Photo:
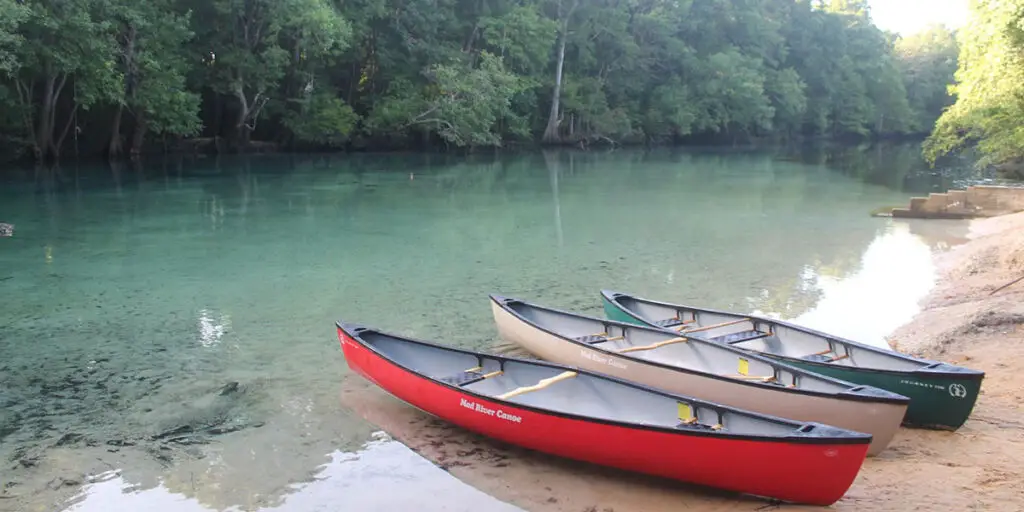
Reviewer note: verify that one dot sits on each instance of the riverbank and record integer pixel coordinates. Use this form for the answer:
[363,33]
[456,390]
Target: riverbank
[978,466]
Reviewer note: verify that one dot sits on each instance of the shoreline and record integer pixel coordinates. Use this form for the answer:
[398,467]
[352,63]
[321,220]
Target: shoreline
[209,147]
[979,465]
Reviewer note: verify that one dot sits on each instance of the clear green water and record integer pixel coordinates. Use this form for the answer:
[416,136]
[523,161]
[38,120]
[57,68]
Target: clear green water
[137,304]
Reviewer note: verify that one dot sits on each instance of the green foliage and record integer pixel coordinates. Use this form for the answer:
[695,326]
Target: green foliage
[522,37]
[671,112]
[990,87]
[464,72]
[460,103]
[322,119]
[731,93]
[928,62]
[154,65]
[12,14]
[70,39]
[787,92]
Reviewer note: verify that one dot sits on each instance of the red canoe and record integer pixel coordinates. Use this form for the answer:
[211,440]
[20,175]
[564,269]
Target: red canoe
[603,420]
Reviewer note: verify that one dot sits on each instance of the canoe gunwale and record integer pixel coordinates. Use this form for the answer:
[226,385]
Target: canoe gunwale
[842,395]
[922,372]
[850,438]
[919,373]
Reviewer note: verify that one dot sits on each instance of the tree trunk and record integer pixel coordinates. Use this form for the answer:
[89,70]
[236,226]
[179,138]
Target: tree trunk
[25,93]
[218,117]
[248,114]
[116,148]
[241,130]
[139,135]
[44,129]
[551,131]
[58,143]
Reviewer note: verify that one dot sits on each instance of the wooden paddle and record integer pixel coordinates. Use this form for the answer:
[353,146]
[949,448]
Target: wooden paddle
[653,345]
[716,326]
[540,385]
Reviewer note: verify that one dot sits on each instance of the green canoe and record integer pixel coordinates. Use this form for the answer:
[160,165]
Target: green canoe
[941,395]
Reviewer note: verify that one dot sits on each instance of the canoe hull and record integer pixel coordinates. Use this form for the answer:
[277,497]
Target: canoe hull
[815,474]
[614,312]
[937,400]
[880,419]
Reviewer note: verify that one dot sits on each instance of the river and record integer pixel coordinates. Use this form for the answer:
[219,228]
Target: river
[168,330]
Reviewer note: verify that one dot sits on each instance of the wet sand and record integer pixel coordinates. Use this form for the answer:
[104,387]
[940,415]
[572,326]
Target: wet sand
[980,466]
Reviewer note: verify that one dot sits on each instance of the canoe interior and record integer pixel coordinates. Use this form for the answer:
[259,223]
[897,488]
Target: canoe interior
[696,354]
[581,395]
[769,337]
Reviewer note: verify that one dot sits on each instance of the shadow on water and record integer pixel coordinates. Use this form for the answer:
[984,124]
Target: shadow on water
[173,320]
[897,166]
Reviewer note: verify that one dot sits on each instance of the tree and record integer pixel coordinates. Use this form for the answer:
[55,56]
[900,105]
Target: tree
[989,89]
[565,10]
[928,63]
[249,45]
[67,45]
[152,64]
[462,105]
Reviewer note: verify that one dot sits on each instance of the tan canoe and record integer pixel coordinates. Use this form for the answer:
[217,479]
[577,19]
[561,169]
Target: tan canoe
[699,368]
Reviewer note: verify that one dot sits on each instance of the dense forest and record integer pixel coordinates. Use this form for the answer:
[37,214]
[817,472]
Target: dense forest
[117,77]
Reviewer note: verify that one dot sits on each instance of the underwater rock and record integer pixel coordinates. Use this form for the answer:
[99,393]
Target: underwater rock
[229,388]
[64,481]
[69,438]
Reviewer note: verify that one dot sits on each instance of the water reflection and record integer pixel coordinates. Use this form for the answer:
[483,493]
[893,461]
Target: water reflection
[895,273]
[212,329]
[383,475]
[895,165]
[554,169]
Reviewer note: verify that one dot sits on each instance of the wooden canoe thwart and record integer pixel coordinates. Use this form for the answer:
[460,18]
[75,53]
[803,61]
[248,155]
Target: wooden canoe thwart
[692,365]
[942,395]
[587,416]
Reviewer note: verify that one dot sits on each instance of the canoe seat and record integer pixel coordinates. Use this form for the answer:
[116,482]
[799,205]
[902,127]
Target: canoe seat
[463,378]
[824,357]
[693,425]
[670,322]
[594,339]
[818,358]
[740,337]
[468,377]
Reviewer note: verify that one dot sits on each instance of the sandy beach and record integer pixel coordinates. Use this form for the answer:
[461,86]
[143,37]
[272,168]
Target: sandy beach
[976,467]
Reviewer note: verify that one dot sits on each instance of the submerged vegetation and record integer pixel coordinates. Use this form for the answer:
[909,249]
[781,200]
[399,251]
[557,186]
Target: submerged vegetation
[118,76]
